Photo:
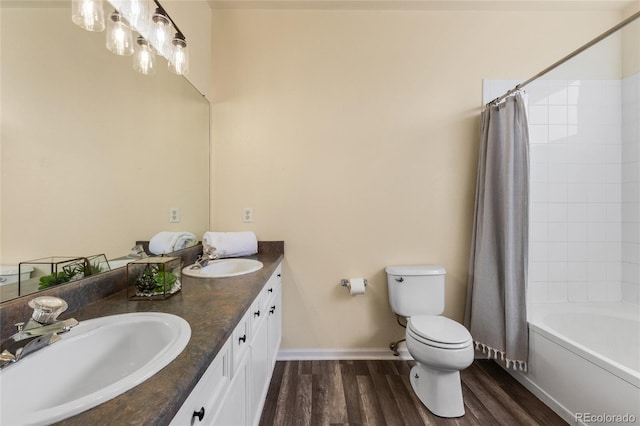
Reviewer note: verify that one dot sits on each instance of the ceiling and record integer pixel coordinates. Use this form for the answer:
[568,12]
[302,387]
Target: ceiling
[479,5]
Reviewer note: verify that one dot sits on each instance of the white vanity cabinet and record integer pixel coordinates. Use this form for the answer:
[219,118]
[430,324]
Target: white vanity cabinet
[233,389]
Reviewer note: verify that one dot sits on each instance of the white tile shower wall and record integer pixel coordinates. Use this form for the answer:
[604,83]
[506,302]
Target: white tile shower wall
[575,251]
[630,189]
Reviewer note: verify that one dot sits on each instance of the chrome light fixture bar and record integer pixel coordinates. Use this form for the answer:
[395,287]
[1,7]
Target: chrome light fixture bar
[158,33]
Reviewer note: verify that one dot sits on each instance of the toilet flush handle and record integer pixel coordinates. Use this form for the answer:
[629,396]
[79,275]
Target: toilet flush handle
[400,279]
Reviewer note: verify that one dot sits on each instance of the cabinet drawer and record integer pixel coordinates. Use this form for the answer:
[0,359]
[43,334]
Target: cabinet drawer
[258,310]
[241,339]
[200,405]
[273,285]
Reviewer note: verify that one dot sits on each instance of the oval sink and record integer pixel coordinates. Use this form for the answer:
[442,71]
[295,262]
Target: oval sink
[222,268]
[95,361]
[115,264]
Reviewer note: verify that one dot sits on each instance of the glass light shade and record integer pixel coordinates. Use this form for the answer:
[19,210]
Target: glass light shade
[138,14]
[119,37]
[88,14]
[144,59]
[179,59]
[160,33]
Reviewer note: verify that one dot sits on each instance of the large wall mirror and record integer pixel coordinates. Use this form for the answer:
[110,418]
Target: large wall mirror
[93,155]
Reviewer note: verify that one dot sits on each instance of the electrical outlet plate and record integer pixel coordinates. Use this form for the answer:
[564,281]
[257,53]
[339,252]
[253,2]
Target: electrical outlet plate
[174,215]
[247,215]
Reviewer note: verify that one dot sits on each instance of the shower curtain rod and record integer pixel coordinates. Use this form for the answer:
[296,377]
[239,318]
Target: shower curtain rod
[566,58]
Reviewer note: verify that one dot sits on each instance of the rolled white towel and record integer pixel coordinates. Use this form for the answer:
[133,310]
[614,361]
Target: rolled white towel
[232,244]
[167,242]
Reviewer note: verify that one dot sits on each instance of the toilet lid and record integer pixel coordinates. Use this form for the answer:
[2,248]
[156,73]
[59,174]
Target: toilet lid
[439,329]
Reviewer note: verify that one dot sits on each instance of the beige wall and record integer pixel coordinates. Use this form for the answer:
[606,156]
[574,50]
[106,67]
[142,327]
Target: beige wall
[353,134]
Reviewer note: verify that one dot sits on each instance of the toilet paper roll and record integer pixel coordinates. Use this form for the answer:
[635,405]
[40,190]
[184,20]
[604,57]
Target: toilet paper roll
[356,286]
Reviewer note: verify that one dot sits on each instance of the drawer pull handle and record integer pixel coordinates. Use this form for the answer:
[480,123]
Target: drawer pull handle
[256,314]
[272,310]
[270,290]
[199,414]
[242,339]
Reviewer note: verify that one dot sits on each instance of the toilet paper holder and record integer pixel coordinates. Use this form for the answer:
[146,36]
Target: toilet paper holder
[345,282]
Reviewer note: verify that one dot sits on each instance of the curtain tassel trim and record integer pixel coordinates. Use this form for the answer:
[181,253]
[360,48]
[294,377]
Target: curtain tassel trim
[501,356]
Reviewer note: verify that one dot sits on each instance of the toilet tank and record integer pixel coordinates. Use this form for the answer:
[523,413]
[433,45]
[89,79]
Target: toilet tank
[416,289]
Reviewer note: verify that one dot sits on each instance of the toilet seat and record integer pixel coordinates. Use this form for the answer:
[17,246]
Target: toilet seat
[438,331]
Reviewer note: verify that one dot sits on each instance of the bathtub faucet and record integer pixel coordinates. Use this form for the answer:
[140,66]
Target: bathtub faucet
[41,330]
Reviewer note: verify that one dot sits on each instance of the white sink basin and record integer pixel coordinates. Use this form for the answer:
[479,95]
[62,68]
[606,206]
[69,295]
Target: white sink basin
[97,360]
[224,268]
[115,264]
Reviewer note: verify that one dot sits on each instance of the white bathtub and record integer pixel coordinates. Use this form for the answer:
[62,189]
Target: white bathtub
[584,361]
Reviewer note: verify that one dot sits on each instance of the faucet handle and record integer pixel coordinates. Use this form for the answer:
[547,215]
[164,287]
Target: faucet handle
[47,308]
[137,252]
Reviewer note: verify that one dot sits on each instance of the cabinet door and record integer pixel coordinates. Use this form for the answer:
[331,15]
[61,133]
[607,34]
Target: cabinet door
[259,373]
[233,409]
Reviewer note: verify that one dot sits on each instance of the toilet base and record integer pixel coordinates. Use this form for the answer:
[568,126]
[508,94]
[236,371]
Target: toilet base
[440,391]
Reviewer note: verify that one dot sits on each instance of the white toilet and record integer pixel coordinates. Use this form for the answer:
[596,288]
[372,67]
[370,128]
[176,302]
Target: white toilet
[441,346]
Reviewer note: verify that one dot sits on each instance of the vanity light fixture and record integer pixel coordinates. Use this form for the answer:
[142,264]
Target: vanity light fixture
[119,37]
[144,60]
[158,32]
[88,14]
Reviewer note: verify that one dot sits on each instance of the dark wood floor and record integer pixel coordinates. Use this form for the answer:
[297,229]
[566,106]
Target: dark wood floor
[379,393]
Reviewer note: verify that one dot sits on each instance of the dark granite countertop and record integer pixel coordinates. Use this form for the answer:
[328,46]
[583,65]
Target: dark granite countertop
[213,307]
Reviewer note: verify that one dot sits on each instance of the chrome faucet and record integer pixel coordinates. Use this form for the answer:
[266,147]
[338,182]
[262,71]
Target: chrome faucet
[208,255]
[41,330]
[137,252]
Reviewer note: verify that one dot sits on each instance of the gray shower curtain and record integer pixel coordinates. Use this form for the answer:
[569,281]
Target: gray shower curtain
[495,311]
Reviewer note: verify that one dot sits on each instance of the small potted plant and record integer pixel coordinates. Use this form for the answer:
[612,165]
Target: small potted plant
[154,278]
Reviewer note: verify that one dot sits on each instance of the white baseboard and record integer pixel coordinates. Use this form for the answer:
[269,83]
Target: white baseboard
[342,354]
